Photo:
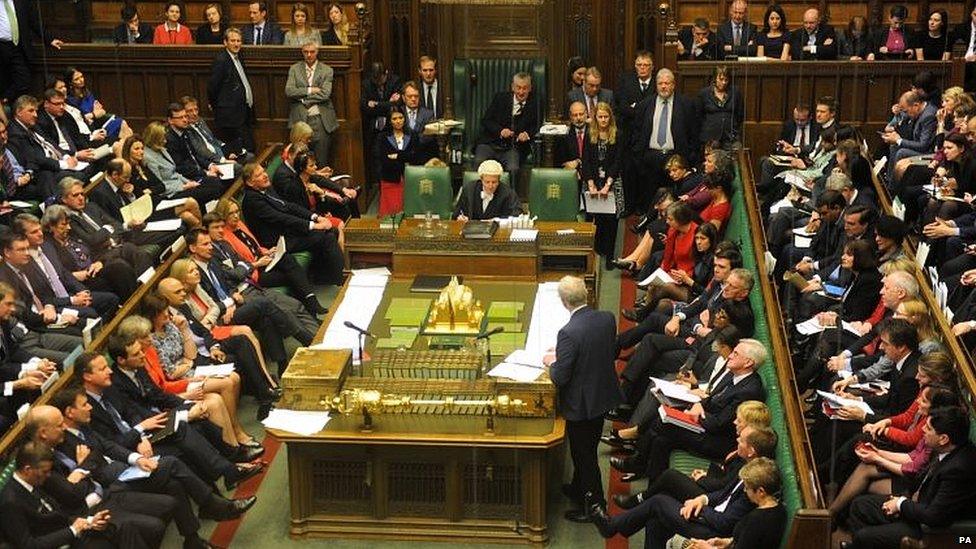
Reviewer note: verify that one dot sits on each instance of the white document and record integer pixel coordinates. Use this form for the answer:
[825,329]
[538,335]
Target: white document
[79,166]
[369,281]
[801,241]
[898,208]
[948,314]
[293,421]
[210,206]
[138,210]
[372,271]
[770,262]
[524,235]
[872,385]
[525,358]
[50,381]
[599,205]
[779,205]
[22,411]
[102,152]
[280,250]
[225,171]
[802,231]
[813,326]
[933,277]
[922,253]
[170,203]
[88,332]
[146,275]
[20,204]
[134,472]
[796,181]
[163,226]
[835,402]
[517,372]
[657,277]
[554,129]
[942,294]
[675,390]
[215,370]
[879,165]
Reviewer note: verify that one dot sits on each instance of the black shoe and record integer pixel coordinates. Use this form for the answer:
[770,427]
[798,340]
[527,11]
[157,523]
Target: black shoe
[600,519]
[613,439]
[264,409]
[625,264]
[198,543]
[625,464]
[608,264]
[633,315]
[246,454]
[620,413]
[227,509]
[252,444]
[313,306]
[628,502]
[577,515]
[273,394]
[240,475]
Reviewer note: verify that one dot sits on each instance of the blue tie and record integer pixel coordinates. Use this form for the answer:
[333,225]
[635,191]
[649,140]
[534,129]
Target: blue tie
[662,126]
[221,294]
[120,423]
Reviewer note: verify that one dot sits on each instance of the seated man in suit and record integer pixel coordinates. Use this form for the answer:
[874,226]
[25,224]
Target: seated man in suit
[15,182]
[59,129]
[508,125]
[32,518]
[487,198]
[42,310]
[270,217]
[48,164]
[130,424]
[707,516]
[102,233]
[569,148]
[140,519]
[286,272]
[105,461]
[737,36]
[68,291]
[944,495]
[261,31]
[204,141]
[921,140]
[815,41]
[22,344]
[591,93]
[180,147]
[131,30]
[715,415]
[797,138]
[698,42]
[117,191]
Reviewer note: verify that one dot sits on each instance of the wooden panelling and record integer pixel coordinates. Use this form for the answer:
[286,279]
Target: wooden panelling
[865,91]
[139,81]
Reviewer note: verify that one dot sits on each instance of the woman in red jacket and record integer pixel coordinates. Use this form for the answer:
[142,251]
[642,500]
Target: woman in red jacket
[679,244]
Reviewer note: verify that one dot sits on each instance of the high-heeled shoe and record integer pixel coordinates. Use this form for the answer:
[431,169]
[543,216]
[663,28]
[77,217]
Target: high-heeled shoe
[625,264]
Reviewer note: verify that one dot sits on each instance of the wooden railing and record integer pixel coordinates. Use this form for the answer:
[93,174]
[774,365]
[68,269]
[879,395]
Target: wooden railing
[10,438]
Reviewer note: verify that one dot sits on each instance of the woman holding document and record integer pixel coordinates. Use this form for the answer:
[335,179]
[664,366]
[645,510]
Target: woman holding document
[601,172]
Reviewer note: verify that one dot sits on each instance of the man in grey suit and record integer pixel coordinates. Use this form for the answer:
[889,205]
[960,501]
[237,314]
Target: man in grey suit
[418,117]
[591,93]
[309,87]
[921,139]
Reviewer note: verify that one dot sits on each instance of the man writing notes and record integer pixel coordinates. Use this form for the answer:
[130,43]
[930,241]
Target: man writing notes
[487,197]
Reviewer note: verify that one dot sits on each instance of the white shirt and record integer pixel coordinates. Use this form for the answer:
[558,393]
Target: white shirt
[5,34]
[669,140]
[969,51]
[433,96]
[517,106]
[485,200]
[721,507]
[248,96]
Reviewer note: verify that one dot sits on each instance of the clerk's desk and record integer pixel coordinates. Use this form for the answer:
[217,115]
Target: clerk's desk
[438,472]
[560,248]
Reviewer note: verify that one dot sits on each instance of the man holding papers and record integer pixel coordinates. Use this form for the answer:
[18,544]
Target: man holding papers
[582,370]
[118,197]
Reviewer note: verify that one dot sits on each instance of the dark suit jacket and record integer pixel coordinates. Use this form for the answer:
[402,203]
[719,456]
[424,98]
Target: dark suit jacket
[268,216]
[181,150]
[270,35]
[576,94]
[724,523]
[29,22]
[498,116]
[862,296]
[104,471]
[29,152]
[627,96]
[946,494]
[437,109]
[121,34]
[101,420]
[721,474]
[426,144]
[225,92]
[45,126]
[379,93]
[289,186]
[708,53]
[724,398]
[903,391]
[824,52]
[747,45]
[27,524]
[592,164]
[504,203]
[95,239]
[567,148]
[147,395]
[964,32]
[391,169]
[879,38]
[584,368]
[684,126]
[922,139]
[33,320]
[789,133]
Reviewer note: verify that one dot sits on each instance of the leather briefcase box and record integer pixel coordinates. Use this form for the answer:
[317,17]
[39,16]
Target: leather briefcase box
[313,377]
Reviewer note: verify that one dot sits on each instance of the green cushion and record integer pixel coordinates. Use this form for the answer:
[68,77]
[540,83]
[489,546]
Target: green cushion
[5,473]
[554,194]
[427,190]
[738,232]
[273,165]
[303,258]
[686,463]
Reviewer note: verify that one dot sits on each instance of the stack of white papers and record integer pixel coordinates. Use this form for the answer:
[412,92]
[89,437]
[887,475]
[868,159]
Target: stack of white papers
[813,326]
[835,402]
[170,203]
[280,250]
[524,235]
[215,370]
[922,253]
[362,298]
[226,171]
[675,391]
[657,277]
[138,210]
[517,372]
[163,226]
[548,317]
[294,421]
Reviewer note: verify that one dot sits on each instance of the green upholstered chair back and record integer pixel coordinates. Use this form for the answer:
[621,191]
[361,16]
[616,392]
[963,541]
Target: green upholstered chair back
[554,194]
[273,166]
[471,175]
[476,81]
[427,190]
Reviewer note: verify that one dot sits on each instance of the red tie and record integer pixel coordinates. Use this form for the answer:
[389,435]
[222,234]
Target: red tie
[579,142]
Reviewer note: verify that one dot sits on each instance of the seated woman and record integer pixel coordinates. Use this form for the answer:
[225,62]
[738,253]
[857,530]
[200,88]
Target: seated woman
[719,208]
[895,41]
[686,285]
[207,312]
[145,181]
[891,472]
[773,41]
[176,350]
[111,275]
[487,197]
[218,396]
[158,161]
[91,109]
[765,524]
[954,182]
[212,31]
[305,187]
[855,44]
[170,31]
[857,277]
[687,180]
[958,107]
[337,33]
[653,226]
[680,240]
[302,32]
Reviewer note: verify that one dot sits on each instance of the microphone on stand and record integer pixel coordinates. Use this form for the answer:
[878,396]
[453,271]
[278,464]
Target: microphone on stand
[352,326]
[487,337]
